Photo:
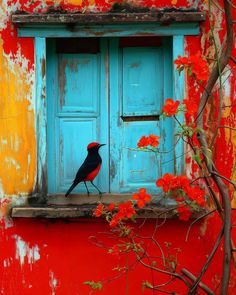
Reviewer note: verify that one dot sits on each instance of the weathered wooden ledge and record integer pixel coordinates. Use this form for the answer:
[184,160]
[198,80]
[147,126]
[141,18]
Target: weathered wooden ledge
[86,211]
[161,17]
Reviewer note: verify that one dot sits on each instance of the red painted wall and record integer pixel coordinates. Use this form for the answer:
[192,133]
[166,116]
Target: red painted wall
[56,257]
[67,256]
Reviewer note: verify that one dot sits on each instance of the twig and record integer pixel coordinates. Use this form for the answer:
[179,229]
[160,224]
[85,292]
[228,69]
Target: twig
[173,274]
[196,220]
[228,127]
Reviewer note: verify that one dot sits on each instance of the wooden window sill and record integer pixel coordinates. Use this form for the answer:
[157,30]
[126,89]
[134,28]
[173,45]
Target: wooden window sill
[83,206]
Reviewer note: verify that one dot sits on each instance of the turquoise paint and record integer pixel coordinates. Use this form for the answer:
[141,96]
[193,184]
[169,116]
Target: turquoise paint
[153,29]
[40,63]
[141,80]
[166,156]
[115,175]
[178,94]
[143,69]
[76,112]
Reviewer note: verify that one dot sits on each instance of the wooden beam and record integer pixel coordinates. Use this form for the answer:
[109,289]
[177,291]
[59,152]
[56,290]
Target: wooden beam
[108,18]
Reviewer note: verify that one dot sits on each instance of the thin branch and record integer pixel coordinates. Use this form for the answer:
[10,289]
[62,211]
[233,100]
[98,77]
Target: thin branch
[209,259]
[228,127]
[225,178]
[196,220]
[193,278]
[173,274]
[232,58]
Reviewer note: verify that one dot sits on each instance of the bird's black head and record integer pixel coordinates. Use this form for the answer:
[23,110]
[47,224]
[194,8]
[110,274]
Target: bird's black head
[94,146]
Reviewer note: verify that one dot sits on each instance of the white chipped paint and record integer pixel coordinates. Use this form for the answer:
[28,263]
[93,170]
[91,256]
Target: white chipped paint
[25,252]
[22,63]
[226,81]
[12,162]
[26,177]
[4,141]
[53,282]
[7,262]
[6,9]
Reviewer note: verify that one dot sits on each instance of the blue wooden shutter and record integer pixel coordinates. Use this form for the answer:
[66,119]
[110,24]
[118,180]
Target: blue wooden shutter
[80,111]
[77,115]
[141,78]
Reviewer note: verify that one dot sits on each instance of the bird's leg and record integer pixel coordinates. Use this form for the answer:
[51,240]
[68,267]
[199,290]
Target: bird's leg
[86,188]
[100,193]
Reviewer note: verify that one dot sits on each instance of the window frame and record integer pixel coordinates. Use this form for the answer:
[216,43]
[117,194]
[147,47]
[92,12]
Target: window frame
[40,32]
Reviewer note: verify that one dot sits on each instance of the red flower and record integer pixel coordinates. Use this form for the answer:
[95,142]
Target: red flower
[196,194]
[180,182]
[99,210]
[165,182]
[111,207]
[196,64]
[141,197]
[151,140]
[143,142]
[184,212]
[199,67]
[171,107]
[127,209]
[181,62]
[115,220]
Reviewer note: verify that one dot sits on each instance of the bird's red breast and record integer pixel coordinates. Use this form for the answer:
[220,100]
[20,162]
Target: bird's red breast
[93,174]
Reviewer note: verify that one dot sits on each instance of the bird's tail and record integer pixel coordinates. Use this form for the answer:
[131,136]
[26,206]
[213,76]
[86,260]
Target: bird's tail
[71,189]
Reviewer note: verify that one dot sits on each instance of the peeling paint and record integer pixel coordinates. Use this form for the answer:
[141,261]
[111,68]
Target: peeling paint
[53,282]
[17,128]
[24,251]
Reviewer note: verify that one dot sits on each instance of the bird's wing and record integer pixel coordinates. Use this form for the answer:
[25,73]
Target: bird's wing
[86,168]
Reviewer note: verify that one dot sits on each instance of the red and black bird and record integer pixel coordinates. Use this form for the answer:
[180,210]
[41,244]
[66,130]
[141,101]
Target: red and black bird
[89,169]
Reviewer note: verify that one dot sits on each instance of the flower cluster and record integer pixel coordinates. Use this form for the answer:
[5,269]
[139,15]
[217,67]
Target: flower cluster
[182,190]
[123,211]
[171,107]
[151,140]
[117,213]
[196,66]
[184,212]
[142,198]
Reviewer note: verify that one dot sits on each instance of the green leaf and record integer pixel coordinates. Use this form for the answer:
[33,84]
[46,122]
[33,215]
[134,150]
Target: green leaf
[197,158]
[94,285]
[147,285]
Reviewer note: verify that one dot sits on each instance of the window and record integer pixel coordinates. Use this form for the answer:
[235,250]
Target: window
[108,90]
[103,77]
[105,83]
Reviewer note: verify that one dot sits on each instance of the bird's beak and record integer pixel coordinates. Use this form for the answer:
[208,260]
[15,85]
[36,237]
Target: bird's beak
[101,144]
